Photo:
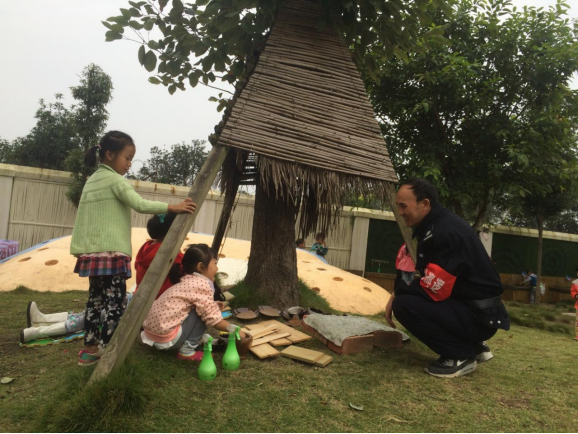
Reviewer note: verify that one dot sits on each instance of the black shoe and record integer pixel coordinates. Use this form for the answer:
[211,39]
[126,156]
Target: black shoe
[445,367]
[483,353]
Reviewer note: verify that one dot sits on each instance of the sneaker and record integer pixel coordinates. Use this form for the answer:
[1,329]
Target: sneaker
[197,356]
[85,358]
[445,367]
[483,353]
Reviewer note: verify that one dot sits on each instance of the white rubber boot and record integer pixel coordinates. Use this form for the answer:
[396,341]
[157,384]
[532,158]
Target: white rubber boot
[29,334]
[39,319]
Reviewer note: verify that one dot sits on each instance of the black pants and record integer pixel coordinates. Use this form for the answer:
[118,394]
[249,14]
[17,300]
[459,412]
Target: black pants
[108,294]
[450,328]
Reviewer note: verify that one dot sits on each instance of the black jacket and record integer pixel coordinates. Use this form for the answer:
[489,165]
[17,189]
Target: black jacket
[453,263]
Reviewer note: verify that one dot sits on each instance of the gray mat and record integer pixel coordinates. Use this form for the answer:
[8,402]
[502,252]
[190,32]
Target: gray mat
[338,328]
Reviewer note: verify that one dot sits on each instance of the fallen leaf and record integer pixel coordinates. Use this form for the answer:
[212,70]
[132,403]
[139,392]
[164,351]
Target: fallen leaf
[43,370]
[6,380]
[355,407]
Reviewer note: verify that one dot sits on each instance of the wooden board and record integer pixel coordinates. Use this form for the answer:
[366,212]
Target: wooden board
[295,336]
[264,351]
[258,332]
[302,354]
[228,296]
[268,338]
[283,342]
[324,361]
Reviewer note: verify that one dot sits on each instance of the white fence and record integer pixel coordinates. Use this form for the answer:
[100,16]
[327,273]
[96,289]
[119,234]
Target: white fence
[35,209]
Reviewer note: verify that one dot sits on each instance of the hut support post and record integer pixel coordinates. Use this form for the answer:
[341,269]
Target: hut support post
[405,232]
[137,310]
[230,194]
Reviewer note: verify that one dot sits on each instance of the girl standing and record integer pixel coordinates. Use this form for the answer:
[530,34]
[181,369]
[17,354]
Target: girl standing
[101,239]
[179,318]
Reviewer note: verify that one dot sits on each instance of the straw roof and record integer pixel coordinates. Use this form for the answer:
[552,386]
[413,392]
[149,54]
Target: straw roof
[305,121]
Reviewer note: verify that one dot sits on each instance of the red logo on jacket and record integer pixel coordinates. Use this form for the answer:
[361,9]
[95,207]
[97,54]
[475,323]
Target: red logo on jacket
[437,282]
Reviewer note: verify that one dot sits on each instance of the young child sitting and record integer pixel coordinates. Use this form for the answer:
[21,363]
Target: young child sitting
[157,227]
[179,318]
[320,246]
[300,243]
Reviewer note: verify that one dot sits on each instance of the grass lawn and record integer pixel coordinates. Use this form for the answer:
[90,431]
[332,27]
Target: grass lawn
[528,386]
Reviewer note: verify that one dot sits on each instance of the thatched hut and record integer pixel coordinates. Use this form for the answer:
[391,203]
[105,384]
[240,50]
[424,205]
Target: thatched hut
[302,130]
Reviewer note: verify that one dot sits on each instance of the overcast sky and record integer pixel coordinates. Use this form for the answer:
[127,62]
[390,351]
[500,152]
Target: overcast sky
[47,43]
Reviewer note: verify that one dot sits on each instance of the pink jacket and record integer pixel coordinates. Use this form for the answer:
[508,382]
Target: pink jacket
[170,310]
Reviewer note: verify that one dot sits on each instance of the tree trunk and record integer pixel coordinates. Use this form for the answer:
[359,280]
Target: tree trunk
[272,269]
[540,221]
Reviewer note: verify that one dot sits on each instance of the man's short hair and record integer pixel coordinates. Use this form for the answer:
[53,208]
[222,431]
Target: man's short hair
[423,189]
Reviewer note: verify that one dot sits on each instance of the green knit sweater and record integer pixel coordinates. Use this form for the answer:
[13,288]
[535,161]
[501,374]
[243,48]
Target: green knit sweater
[103,221]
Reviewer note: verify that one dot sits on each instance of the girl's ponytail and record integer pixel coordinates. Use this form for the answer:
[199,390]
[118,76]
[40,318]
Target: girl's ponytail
[175,273]
[92,156]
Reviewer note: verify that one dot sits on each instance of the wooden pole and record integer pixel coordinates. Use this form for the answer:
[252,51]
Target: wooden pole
[137,310]
[405,232]
[230,194]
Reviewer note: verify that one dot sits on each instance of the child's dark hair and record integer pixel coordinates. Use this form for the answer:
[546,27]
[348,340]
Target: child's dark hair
[299,241]
[113,141]
[195,253]
[158,225]
[320,235]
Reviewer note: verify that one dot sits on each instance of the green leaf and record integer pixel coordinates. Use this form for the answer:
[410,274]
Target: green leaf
[153,45]
[172,89]
[135,24]
[194,77]
[141,54]
[112,36]
[154,80]
[401,55]
[149,24]
[150,61]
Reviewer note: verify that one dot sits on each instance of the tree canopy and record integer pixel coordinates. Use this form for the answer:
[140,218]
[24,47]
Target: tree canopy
[207,40]
[486,110]
[179,166]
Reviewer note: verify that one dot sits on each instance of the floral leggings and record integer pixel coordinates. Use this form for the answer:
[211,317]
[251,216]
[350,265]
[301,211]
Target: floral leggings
[108,294]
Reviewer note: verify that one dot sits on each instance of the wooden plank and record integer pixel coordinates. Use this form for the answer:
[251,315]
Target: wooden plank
[324,361]
[283,342]
[295,336]
[137,310]
[260,332]
[268,338]
[302,354]
[264,351]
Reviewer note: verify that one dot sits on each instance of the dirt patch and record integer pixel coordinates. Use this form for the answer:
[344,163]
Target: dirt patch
[25,259]
[338,279]
[51,262]
[365,288]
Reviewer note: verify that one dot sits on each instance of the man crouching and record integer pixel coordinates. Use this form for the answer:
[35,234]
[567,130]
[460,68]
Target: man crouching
[454,305]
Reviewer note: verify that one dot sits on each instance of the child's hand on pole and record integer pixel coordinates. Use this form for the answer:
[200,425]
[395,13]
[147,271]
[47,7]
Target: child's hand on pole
[186,205]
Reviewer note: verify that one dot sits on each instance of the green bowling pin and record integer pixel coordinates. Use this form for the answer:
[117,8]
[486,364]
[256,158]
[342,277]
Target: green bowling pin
[231,359]
[207,368]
